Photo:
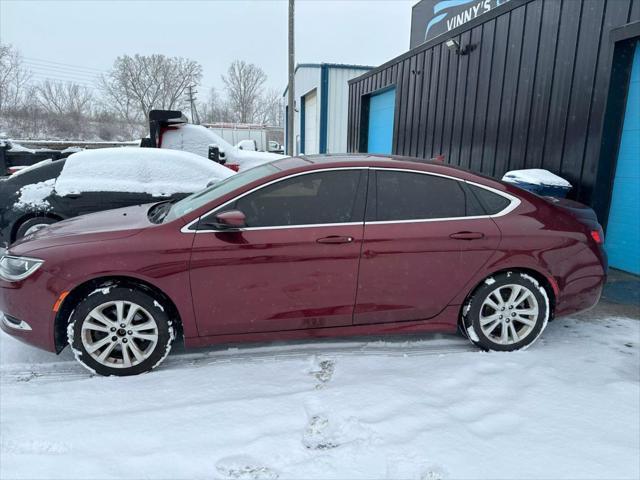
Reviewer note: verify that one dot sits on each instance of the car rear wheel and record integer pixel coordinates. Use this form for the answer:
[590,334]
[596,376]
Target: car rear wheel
[120,331]
[507,312]
[33,225]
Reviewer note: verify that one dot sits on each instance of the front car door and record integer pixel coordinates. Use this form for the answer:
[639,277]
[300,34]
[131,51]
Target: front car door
[425,237]
[294,265]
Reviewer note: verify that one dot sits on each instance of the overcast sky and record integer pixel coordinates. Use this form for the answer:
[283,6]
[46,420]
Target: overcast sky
[84,37]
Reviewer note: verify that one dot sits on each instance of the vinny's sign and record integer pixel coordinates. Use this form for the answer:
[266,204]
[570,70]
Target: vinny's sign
[431,18]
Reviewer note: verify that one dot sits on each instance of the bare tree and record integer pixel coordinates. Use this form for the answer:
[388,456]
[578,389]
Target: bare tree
[13,78]
[215,109]
[139,83]
[270,109]
[244,85]
[65,98]
[68,106]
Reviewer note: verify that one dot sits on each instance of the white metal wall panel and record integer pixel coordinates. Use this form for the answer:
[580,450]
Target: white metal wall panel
[338,106]
[307,78]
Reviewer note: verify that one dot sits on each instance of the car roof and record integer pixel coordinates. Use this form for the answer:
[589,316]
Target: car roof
[322,161]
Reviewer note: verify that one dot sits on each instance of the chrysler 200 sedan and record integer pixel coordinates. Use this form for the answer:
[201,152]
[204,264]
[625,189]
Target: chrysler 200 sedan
[304,248]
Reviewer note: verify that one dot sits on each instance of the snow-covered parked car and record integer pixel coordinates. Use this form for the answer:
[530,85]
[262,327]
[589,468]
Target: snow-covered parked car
[169,130]
[96,180]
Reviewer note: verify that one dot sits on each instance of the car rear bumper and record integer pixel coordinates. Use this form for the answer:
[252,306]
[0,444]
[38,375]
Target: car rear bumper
[26,310]
[580,294]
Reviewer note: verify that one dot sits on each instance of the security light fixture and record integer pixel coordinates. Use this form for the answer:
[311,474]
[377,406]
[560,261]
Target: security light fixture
[453,45]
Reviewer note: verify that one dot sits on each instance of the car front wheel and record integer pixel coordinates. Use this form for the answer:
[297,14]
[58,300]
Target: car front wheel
[507,312]
[120,331]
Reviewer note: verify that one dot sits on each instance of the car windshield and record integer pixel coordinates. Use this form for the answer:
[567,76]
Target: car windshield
[198,199]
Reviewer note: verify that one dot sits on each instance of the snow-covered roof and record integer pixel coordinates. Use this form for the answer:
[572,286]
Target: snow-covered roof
[132,169]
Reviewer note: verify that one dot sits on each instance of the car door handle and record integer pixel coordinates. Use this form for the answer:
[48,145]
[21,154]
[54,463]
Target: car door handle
[467,235]
[335,239]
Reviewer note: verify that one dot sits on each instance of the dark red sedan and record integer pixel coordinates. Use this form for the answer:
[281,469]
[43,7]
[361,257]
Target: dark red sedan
[303,248]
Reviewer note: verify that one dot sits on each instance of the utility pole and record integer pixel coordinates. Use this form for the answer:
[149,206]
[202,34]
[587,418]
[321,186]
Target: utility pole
[192,101]
[291,100]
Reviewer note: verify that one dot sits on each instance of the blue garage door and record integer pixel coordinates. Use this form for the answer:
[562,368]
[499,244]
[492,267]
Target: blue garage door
[623,228]
[381,111]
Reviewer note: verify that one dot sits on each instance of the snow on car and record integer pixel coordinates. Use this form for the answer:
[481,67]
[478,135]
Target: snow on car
[96,180]
[197,139]
[535,176]
[143,170]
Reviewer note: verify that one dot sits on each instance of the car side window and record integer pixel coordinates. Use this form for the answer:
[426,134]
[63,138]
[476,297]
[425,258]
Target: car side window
[492,202]
[315,198]
[416,196]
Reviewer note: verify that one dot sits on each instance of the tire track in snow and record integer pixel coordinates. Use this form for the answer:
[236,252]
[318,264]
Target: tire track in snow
[69,370]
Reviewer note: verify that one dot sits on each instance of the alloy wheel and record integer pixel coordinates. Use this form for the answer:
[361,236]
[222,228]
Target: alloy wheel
[509,314]
[119,334]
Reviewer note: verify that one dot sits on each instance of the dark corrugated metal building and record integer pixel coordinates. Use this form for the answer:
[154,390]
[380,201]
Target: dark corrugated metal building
[528,84]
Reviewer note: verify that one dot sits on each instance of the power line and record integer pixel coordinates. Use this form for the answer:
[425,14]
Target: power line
[56,70]
[41,75]
[63,78]
[61,81]
[68,65]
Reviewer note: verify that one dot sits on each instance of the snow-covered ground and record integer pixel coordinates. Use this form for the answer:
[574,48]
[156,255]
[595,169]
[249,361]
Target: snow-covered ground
[430,408]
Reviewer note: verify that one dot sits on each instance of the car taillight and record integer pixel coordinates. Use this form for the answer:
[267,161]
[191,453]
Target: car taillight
[597,236]
[233,166]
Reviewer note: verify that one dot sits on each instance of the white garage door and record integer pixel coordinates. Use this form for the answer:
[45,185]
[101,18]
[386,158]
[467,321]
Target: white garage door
[310,123]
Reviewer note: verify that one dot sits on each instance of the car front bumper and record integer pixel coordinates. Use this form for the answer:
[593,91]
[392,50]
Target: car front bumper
[26,309]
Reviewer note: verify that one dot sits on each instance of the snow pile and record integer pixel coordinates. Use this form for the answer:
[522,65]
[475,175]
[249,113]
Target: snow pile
[141,170]
[535,176]
[35,194]
[433,408]
[196,139]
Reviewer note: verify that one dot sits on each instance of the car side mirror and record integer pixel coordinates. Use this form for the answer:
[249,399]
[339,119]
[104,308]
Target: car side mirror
[229,220]
[232,219]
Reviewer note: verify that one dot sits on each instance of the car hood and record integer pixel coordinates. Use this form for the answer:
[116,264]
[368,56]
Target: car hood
[94,227]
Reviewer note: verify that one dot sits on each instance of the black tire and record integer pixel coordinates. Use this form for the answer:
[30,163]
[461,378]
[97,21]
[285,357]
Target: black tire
[148,309]
[32,222]
[478,311]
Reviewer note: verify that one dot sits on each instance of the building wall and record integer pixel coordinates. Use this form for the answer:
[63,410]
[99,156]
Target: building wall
[332,78]
[307,78]
[531,93]
[337,104]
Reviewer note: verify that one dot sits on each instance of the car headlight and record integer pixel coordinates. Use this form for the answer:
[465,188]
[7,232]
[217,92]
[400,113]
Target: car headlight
[14,268]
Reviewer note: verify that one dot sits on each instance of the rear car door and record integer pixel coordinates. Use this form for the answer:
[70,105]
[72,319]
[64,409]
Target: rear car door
[295,264]
[425,237]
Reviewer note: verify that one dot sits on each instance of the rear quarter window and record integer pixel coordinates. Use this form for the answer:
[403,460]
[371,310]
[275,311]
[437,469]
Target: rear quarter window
[491,202]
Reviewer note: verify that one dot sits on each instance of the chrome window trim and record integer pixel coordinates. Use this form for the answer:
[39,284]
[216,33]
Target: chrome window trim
[514,202]
[186,228]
